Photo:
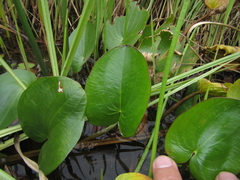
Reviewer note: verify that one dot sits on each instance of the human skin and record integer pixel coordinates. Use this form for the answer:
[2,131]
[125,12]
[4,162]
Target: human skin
[164,168]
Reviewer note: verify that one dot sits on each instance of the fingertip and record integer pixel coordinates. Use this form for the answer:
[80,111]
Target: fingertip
[164,168]
[163,162]
[226,176]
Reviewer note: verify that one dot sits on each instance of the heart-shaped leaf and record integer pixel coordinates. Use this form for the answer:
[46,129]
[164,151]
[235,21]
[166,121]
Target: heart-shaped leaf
[10,92]
[52,109]
[118,89]
[85,47]
[207,136]
[121,32]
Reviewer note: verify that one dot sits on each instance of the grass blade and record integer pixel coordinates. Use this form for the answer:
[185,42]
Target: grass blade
[10,71]
[31,38]
[164,81]
[43,6]
[87,9]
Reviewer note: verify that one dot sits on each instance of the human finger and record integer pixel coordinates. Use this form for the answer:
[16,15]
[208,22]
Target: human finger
[226,176]
[164,168]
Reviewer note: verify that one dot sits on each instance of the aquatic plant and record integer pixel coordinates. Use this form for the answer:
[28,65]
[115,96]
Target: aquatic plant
[53,109]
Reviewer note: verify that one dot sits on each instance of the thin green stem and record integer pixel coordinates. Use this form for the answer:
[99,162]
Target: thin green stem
[10,142]
[99,22]
[65,38]
[144,155]
[126,21]
[105,18]
[19,39]
[10,130]
[103,131]
[87,9]
[164,81]
[191,81]
[204,67]
[5,175]
[150,5]
[154,49]
[44,9]
[31,37]
[226,16]
[10,71]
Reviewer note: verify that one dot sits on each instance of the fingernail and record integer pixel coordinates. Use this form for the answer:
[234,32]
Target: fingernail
[163,162]
[226,176]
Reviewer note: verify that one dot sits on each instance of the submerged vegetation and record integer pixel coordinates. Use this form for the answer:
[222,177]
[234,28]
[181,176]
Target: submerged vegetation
[143,54]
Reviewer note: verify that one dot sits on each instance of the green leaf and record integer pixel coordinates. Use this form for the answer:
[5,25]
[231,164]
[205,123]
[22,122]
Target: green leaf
[183,59]
[52,109]
[146,39]
[188,60]
[118,89]
[22,66]
[233,91]
[136,21]
[164,45]
[207,136]
[4,175]
[215,89]
[85,47]
[10,92]
[132,176]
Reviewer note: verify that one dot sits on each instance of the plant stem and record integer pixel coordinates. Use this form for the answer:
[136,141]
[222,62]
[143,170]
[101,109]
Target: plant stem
[10,71]
[65,38]
[87,9]
[164,81]
[225,59]
[5,175]
[43,6]
[10,142]
[146,150]
[126,21]
[179,103]
[30,36]
[19,38]
[188,83]
[93,136]
[10,130]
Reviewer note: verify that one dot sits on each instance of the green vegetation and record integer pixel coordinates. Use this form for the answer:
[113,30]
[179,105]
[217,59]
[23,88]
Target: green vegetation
[140,50]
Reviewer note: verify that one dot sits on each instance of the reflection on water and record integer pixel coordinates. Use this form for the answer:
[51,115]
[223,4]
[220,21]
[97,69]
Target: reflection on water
[110,160]
[108,155]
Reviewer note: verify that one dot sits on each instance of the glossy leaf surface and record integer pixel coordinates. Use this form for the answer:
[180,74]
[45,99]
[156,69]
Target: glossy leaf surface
[118,89]
[10,92]
[52,110]
[207,136]
[85,47]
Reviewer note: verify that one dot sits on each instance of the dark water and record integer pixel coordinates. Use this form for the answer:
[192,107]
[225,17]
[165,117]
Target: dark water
[110,156]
